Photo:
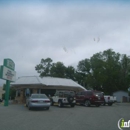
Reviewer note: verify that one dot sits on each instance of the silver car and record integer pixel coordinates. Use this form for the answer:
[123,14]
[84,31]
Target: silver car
[38,100]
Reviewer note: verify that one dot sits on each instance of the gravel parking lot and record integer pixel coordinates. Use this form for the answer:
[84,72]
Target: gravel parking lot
[18,117]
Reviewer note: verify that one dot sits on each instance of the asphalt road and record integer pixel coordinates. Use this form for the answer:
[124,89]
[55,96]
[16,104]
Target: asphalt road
[18,117]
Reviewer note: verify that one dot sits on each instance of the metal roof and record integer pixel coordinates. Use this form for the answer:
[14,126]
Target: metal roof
[47,81]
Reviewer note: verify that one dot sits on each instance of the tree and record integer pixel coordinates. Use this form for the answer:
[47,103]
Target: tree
[124,72]
[44,67]
[106,71]
[112,70]
[70,72]
[84,66]
[58,70]
[12,92]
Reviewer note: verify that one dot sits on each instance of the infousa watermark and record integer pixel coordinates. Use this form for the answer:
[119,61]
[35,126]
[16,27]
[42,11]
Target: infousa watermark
[122,124]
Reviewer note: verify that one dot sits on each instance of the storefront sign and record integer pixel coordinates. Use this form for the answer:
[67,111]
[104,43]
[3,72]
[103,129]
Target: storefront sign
[9,64]
[7,74]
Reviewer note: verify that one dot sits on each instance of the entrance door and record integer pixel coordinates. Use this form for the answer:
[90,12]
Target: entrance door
[48,92]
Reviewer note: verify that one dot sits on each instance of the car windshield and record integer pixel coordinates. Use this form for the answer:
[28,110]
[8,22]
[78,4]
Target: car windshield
[38,96]
[98,94]
[69,93]
[89,93]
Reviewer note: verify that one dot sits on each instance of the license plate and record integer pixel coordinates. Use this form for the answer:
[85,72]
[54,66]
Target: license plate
[40,101]
[99,98]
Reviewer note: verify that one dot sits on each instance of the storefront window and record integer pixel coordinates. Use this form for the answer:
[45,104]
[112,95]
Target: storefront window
[27,92]
[38,90]
[18,93]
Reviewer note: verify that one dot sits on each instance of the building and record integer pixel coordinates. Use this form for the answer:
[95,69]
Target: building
[122,96]
[48,85]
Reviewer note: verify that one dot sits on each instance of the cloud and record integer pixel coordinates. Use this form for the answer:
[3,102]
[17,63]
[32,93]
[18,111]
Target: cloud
[31,32]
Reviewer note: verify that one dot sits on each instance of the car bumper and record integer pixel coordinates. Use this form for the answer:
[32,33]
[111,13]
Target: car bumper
[69,103]
[110,102]
[66,102]
[97,102]
[39,105]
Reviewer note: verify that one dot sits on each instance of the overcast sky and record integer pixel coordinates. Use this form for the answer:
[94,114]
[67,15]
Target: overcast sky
[67,32]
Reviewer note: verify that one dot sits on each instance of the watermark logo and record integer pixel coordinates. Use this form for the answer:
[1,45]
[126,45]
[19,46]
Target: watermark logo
[122,124]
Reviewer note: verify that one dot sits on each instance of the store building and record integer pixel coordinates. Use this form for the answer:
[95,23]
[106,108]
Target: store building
[27,85]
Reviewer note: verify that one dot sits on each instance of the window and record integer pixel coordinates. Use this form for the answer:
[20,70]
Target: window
[79,93]
[89,93]
[82,93]
[38,96]
[38,90]
[18,93]
[27,92]
[98,94]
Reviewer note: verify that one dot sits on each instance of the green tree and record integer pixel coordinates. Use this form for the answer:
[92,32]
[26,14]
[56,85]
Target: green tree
[111,70]
[58,70]
[124,72]
[70,72]
[106,71]
[44,67]
[84,66]
[12,92]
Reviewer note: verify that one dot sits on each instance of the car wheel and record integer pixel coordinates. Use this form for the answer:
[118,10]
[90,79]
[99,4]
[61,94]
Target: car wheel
[87,103]
[60,104]
[72,105]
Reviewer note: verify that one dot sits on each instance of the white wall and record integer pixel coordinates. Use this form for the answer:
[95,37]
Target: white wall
[120,94]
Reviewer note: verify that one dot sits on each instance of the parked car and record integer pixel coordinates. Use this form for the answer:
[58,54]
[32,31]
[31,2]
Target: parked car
[109,100]
[64,98]
[38,100]
[89,97]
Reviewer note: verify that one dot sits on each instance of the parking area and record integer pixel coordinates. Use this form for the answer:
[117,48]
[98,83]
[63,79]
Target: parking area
[18,117]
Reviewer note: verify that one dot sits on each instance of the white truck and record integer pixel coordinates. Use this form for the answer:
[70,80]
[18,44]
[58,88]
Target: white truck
[109,100]
[64,98]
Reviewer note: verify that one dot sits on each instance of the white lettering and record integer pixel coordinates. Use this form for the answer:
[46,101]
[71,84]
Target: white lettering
[129,123]
[126,125]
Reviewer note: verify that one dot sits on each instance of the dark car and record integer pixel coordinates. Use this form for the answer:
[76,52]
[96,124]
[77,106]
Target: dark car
[89,98]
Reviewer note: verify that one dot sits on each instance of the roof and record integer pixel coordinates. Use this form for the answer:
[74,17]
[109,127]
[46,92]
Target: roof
[46,81]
